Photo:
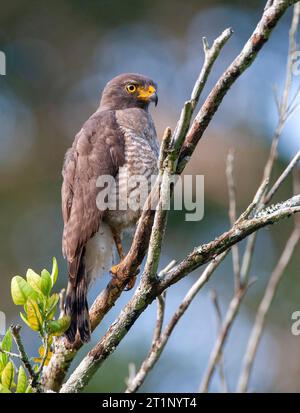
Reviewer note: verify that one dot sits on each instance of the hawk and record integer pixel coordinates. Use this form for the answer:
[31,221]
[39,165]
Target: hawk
[118,140]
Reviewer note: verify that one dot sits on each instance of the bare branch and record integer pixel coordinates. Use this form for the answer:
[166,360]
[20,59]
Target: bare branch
[10,354]
[217,350]
[283,109]
[233,216]
[214,298]
[15,330]
[44,358]
[239,231]
[210,56]
[160,344]
[282,177]
[131,374]
[264,308]
[247,257]
[147,292]
[253,206]
[270,17]
[160,317]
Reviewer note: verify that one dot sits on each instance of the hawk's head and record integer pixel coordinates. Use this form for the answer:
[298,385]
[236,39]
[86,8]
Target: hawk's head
[129,90]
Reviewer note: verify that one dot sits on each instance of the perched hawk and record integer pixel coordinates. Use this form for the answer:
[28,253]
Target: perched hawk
[118,140]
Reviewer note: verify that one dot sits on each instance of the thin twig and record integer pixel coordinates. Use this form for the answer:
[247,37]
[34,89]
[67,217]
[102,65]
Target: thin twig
[131,374]
[284,101]
[44,358]
[210,56]
[256,200]
[161,213]
[282,177]
[215,301]
[167,170]
[218,348]
[233,216]
[168,268]
[247,257]
[161,301]
[10,354]
[239,231]
[264,308]
[15,330]
[160,344]
[235,69]
[283,108]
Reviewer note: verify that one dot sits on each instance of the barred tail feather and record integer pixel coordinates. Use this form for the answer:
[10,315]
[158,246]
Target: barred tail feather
[71,310]
[83,319]
[76,305]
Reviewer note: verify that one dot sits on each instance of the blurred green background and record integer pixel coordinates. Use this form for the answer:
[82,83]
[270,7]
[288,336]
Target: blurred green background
[59,56]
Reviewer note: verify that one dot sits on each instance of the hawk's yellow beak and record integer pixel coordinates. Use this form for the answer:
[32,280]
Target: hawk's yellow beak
[147,93]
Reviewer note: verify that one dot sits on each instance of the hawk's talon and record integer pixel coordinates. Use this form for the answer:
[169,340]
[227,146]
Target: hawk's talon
[114,274]
[131,283]
[114,270]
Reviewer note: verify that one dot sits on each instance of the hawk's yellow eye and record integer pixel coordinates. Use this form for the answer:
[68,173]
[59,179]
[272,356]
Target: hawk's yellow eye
[130,88]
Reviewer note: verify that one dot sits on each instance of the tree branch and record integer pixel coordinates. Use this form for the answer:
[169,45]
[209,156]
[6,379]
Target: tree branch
[161,342]
[233,216]
[147,292]
[217,351]
[15,330]
[268,21]
[216,304]
[263,308]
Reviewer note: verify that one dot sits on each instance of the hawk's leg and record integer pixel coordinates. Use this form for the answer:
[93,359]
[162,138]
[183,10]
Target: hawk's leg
[114,269]
[118,242]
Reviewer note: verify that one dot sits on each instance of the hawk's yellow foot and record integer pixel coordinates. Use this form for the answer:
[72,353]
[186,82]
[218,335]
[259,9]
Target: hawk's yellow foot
[114,271]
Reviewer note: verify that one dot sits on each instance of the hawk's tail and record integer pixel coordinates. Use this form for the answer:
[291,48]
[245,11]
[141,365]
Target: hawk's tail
[77,308]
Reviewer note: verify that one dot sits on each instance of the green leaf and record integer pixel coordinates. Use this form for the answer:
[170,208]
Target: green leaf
[2,365]
[51,306]
[29,389]
[6,345]
[24,318]
[7,341]
[3,360]
[22,381]
[34,317]
[34,280]
[4,389]
[46,282]
[54,272]
[7,375]
[59,326]
[21,290]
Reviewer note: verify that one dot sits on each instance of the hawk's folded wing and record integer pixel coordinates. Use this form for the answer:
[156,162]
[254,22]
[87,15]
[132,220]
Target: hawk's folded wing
[98,150]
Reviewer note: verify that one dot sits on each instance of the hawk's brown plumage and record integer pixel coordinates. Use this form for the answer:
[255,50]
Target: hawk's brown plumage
[119,140]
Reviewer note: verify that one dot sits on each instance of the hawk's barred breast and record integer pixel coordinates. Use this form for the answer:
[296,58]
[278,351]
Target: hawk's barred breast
[141,150]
